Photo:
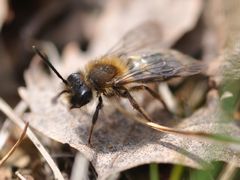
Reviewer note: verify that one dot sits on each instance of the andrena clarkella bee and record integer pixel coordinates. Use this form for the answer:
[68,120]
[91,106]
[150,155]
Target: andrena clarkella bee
[127,67]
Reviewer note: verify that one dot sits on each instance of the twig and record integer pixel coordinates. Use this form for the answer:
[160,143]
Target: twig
[229,171]
[5,133]
[21,177]
[6,109]
[15,145]
[80,167]
[168,98]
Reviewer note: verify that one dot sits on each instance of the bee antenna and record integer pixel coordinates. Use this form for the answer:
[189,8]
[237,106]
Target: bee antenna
[46,60]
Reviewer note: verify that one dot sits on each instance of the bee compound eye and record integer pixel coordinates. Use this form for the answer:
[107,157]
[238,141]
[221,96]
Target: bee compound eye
[81,99]
[87,95]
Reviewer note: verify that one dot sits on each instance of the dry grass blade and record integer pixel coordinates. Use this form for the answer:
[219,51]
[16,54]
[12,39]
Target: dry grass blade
[5,133]
[197,134]
[80,167]
[229,171]
[20,176]
[168,97]
[169,130]
[5,108]
[15,145]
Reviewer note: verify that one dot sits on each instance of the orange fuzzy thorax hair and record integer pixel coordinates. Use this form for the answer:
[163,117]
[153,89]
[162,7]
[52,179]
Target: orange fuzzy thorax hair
[119,64]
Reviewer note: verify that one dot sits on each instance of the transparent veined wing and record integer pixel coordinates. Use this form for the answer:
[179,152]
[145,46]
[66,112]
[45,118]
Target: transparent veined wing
[158,66]
[146,36]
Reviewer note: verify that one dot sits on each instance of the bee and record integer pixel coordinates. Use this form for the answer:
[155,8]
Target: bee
[129,66]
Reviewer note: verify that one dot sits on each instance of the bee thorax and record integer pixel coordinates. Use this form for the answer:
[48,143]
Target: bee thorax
[100,74]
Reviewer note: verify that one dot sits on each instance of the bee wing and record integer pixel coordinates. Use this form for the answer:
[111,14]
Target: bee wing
[158,66]
[141,38]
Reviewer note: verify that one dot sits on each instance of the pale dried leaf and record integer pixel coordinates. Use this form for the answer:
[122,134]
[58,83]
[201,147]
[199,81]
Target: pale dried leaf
[175,17]
[118,142]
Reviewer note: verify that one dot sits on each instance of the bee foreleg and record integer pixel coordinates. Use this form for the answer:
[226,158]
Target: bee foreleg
[54,99]
[151,92]
[134,103]
[95,117]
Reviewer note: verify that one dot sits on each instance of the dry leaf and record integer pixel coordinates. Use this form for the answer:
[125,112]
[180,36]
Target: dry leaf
[175,18]
[120,143]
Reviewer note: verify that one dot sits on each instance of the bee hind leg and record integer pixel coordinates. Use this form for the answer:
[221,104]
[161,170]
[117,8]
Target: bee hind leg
[94,118]
[151,92]
[135,105]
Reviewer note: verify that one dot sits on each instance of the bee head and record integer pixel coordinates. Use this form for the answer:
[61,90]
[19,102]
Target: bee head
[80,94]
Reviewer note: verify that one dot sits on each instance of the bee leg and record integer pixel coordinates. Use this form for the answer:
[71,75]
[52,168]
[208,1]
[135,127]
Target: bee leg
[94,118]
[54,99]
[151,92]
[134,104]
